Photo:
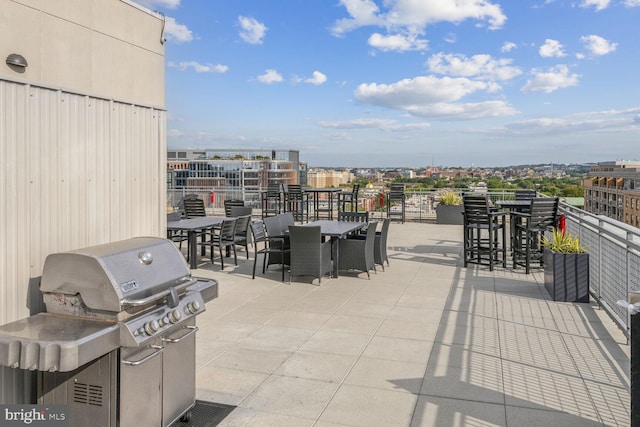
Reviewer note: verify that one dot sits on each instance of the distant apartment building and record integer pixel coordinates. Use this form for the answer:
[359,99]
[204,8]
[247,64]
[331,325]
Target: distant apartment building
[612,189]
[450,174]
[324,178]
[238,173]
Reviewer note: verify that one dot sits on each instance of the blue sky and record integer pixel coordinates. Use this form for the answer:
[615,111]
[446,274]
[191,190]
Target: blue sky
[386,83]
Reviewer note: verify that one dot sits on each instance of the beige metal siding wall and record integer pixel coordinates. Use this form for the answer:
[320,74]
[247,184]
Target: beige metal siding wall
[109,48]
[78,171]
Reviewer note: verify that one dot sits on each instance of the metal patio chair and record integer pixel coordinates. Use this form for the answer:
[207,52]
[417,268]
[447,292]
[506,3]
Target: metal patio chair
[270,246]
[222,239]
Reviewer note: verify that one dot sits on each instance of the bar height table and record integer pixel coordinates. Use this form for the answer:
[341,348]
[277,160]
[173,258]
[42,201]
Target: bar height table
[513,206]
[317,209]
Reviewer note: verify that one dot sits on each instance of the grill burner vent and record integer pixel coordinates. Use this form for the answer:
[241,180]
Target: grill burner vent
[87,394]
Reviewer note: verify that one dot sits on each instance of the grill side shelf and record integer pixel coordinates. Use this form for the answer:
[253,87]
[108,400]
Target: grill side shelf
[54,343]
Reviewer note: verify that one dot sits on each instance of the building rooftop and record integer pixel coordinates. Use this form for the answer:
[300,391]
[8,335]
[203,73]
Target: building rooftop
[425,343]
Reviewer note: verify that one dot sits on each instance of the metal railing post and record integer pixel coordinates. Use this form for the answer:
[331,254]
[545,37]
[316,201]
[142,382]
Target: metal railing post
[634,297]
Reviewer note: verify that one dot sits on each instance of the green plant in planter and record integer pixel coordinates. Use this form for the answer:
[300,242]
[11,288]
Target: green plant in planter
[449,208]
[564,243]
[450,198]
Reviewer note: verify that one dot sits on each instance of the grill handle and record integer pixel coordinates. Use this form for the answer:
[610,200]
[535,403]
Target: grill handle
[159,295]
[192,330]
[159,349]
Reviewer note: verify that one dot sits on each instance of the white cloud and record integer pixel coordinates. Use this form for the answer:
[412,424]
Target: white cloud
[270,76]
[199,68]
[362,13]
[251,31]
[464,111]
[397,42]
[508,47]
[632,3]
[585,122]
[421,90]
[154,4]
[598,45]
[481,66]
[599,4]
[551,49]
[317,78]
[371,123]
[412,14]
[433,97]
[176,32]
[555,78]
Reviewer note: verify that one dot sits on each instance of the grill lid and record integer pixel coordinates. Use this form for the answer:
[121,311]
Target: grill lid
[114,275]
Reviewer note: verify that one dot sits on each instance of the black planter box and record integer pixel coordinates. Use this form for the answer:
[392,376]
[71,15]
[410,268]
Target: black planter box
[449,214]
[566,276]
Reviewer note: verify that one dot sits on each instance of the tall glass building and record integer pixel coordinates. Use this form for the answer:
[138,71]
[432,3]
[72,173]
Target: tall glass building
[238,173]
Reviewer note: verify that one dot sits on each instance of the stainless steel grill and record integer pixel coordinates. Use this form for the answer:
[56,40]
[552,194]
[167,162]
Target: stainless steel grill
[117,343]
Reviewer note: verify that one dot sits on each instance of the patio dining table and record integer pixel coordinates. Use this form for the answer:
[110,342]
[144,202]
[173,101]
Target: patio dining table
[193,227]
[336,230]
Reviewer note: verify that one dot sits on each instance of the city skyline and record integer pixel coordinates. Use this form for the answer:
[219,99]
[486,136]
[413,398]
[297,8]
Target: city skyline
[404,83]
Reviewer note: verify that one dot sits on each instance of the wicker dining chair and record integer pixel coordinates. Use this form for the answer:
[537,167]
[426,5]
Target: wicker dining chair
[309,255]
[380,247]
[358,254]
[237,211]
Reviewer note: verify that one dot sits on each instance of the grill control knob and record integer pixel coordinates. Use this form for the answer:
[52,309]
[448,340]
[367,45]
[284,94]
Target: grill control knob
[193,306]
[151,327]
[175,316]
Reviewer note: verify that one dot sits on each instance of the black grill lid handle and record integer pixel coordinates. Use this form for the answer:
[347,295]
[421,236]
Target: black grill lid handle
[173,299]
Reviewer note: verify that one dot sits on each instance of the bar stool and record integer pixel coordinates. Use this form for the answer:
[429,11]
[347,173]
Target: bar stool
[484,231]
[531,225]
[271,200]
[350,197]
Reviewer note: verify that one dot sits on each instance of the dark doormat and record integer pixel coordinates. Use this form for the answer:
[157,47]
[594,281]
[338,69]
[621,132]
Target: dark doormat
[205,414]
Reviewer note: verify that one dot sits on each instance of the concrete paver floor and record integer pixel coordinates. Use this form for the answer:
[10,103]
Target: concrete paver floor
[427,342]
